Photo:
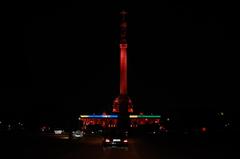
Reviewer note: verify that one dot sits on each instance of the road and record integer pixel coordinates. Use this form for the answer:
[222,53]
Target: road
[89,147]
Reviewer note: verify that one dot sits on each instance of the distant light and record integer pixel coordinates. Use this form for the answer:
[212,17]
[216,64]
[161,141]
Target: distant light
[107,140]
[125,140]
[227,124]
[98,116]
[84,116]
[204,129]
[116,140]
[116,116]
[222,113]
[133,116]
[168,119]
[0,122]
[58,131]
[145,116]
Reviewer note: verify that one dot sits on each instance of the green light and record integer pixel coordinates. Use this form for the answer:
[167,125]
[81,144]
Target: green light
[145,116]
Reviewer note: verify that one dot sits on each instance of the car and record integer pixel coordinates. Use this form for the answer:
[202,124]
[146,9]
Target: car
[114,138]
[77,134]
[58,131]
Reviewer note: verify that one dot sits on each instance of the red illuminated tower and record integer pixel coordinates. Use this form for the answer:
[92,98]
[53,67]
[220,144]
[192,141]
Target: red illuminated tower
[123,103]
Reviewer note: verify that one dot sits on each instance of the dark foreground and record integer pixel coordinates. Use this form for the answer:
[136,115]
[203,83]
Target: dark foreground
[141,147]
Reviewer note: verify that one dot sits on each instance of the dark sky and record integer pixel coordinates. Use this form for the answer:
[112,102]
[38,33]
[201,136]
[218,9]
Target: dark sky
[64,56]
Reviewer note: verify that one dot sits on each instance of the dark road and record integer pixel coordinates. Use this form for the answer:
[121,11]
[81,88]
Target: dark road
[89,147]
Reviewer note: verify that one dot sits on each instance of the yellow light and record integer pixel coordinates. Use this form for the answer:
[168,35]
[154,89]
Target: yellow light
[133,116]
[83,116]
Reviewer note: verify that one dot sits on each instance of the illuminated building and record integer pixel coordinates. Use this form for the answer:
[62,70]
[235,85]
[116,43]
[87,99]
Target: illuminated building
[122,105]
[111,120]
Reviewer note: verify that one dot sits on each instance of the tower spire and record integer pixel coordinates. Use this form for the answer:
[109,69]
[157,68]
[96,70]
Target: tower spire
[123,53]
[123,102]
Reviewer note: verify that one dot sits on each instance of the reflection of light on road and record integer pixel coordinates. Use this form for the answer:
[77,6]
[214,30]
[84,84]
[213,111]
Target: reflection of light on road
[64,137]
[56,136]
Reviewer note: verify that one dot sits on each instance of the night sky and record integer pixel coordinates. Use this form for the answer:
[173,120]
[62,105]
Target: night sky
[64,56]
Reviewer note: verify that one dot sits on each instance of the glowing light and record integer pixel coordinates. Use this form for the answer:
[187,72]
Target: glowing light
[116,116]
[64,137]
[58,131]
[227,124]
[84,116]
[222,113]
[107,140]
[145,116]
[125,140]
[133,116]
[123,69]
[98,116]
[204,129]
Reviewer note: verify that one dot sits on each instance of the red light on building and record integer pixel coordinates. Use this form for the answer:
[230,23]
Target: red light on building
[203,129]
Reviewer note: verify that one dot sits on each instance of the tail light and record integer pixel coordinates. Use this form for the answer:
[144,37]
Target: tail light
[125,140]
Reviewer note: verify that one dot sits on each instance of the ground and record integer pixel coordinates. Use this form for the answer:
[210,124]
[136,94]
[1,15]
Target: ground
[140,147]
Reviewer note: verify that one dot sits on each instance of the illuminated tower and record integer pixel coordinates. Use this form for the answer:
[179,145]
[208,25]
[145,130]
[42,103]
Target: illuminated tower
[123,103]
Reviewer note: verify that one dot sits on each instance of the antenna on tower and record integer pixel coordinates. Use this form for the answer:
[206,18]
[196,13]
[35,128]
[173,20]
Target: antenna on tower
[123,13]
[123,26]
